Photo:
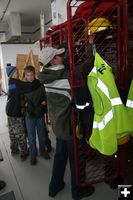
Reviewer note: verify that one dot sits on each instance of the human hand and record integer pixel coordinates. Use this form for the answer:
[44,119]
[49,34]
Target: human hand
[43,103]
[26,104]
[24,79]
[91,38]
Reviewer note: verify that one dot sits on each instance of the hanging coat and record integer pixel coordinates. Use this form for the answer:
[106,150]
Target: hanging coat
[111,119]
[129,102]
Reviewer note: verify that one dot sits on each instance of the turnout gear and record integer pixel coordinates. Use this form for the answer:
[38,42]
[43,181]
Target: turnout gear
[98,24]
[111,119]
[129,102]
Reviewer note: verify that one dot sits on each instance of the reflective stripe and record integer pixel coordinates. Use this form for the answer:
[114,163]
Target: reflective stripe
[100,84]
[65,93]
[62,84]
[105,63]
[95,124]
[101,125]
[81,107]
[103,87]
[41,68]
[116,101]
[55,67]
[94,70]
[129,103]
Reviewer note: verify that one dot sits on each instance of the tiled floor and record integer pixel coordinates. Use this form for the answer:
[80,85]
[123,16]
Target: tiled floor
[31,182]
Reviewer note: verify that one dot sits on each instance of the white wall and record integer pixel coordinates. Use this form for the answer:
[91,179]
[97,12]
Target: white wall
[1,57]
[8,55]
[10,50]
[59,14]
[2,69]
[59,10]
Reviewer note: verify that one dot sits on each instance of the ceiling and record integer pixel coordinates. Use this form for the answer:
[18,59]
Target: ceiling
[29,11]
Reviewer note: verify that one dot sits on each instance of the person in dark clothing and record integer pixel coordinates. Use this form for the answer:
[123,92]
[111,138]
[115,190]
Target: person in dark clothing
[48,141]
[82,103]
[34,117]
[13,110]
[55,77]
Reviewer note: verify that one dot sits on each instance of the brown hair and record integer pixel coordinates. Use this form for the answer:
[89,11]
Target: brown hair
[29,68]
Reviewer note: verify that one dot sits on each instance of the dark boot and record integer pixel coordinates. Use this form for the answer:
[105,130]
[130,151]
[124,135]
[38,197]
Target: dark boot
[33,161]
[117,181]
[54,193]
[46,155]
[83,192]
[14,151]
[48,147]
[24,157]
[2,185]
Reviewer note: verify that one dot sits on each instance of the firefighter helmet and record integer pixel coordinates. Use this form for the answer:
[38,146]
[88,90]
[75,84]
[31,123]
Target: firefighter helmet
[98,24]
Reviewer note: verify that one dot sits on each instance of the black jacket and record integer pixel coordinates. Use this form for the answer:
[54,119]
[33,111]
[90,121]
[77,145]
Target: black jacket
[15,90]
[34,101]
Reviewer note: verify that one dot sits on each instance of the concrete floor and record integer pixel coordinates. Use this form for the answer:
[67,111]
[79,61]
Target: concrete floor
[31,182]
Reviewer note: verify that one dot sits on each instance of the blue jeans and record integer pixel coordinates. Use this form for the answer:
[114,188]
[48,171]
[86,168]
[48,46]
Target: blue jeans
[36,125]
[64,151]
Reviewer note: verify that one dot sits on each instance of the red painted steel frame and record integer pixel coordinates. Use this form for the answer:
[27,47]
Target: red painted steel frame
[71,57]
[119,62]
[125,45]
[122,55]
[122,58]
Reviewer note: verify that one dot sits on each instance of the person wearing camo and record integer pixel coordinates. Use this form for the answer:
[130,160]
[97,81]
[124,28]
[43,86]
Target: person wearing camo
[16,88]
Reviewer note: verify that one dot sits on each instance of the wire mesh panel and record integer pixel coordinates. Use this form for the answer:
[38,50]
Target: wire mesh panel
[91,166]
[130,64]
[112,44]
[130,162]
[55,37]
[130,36]
[95,167]
[45,42]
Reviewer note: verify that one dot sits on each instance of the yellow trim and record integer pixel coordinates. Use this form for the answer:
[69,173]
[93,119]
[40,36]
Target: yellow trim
[123,140]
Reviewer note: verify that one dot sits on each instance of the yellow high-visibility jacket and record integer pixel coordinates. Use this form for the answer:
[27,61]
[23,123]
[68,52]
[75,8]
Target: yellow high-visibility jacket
[111,119]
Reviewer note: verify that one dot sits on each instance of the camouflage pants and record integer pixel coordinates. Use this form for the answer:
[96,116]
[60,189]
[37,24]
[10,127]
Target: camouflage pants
[17,135]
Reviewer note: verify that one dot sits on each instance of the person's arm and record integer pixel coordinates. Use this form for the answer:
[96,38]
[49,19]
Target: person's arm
[25,87]
[85,68]
[23,104]
[42,77]
[43,102]
[48,76]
